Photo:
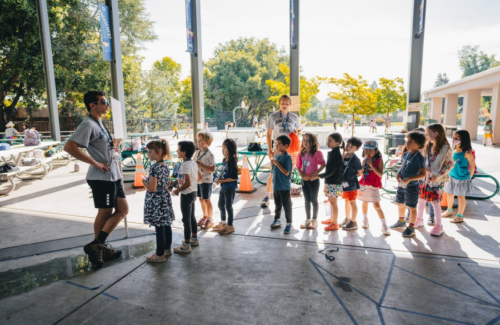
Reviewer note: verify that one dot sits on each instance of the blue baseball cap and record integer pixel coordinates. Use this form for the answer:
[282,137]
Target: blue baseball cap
[370,144]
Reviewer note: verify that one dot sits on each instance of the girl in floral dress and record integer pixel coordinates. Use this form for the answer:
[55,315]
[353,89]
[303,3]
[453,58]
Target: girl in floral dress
[158,211]
[438,163]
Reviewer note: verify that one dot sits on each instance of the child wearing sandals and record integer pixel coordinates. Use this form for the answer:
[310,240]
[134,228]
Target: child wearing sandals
[333,178]
[460,183]
[438,163]
[158,211]
[352,169]
[371,182]
[227,178]
[206,167]
[308,160]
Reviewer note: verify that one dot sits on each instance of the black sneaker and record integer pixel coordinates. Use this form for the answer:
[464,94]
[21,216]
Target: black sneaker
[95,251]
[351,225]
[110,253]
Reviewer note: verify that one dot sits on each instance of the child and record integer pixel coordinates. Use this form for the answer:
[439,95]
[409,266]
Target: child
[488,132]
[176,134]
[206,126]
[146,130]
[460,183]
[372,123]
[412,169]
[188,181]
[310,157]
[282,174]
[371,182]
[10,131]
[438,163]
[188,133]
[352,169]
[158,211]
[228,180]
[206,167]
[333,176]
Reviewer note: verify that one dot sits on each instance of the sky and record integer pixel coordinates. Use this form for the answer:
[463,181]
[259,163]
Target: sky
[361,37]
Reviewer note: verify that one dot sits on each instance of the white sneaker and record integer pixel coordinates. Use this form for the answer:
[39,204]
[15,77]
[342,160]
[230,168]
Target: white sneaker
[419,223]
[365,224]
[305,223]
[385,230]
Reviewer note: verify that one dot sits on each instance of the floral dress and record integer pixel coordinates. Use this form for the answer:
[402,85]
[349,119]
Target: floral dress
[433,191]
[158,209]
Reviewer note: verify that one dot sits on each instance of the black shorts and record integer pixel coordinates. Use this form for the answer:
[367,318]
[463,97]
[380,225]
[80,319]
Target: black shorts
[204,190]
[408,195]
[106,192]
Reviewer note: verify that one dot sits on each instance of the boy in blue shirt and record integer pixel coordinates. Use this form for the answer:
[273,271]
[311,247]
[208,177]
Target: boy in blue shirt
[412,170]
[282,174]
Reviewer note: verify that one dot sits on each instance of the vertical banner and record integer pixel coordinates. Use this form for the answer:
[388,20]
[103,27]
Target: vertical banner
[107,53]
[189,26]
[292,23]
[421,18]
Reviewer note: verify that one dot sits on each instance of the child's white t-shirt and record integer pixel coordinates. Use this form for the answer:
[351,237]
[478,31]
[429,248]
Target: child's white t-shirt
[190,168]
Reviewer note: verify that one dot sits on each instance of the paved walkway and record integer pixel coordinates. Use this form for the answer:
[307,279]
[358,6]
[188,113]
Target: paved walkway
[256,275]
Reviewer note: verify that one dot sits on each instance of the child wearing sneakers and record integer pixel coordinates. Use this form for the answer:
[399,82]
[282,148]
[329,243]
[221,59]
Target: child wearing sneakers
[412,170]
[228,179]
[351,170]
[206,167]
[308,160]
[460,183]
[333,178]
[188,186]
[158,211]
[371,182]
[282,174]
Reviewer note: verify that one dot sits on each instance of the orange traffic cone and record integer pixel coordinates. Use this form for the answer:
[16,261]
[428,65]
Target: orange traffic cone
[139,172]
[444,200]
[245,180]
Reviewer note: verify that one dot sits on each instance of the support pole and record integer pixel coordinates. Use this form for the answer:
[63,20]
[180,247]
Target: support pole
[197,72]
[294,56]
[48,67]
[116,65]
[416,57]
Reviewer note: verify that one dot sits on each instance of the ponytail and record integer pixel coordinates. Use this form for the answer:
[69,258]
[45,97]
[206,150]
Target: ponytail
[161,145]
[342,146]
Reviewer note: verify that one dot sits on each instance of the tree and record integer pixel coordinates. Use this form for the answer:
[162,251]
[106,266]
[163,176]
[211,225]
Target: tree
[473,61]
[160,98]
[238,71]
[324,114]
[356,96]
[442,79]
[390,96]
[309,88]
[313,114]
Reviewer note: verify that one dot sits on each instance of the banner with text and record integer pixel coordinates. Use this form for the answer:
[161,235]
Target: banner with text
[421,18]
[189,26]
[107,53]
[292,23]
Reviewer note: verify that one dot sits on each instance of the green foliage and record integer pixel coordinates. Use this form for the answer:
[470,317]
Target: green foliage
[325,115]
[442,79]
[313,114]
[390,96]
[473,61]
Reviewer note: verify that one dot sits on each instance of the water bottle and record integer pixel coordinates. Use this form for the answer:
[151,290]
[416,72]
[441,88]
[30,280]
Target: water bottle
[77,167]
[328,210]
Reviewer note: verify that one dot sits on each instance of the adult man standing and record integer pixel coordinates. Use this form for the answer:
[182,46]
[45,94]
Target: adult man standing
[103,176]
[279,123]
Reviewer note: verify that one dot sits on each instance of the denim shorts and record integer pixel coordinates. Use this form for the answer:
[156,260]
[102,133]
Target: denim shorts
[408,195]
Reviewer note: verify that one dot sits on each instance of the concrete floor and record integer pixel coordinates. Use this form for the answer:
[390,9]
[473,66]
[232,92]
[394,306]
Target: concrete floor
[253,276]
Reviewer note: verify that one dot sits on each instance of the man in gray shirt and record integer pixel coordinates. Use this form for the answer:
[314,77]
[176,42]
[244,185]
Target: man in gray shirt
[103,176]
[279,123]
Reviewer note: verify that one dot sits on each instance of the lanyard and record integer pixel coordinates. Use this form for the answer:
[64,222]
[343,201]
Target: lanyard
[406,163]
[305,163]
[198,158]
[108,135]
[347,166]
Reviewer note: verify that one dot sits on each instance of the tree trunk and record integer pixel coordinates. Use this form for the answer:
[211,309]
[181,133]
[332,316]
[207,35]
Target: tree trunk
[387,122]
[352,128]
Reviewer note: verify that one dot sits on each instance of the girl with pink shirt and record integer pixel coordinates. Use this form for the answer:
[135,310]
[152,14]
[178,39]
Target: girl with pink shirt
[307,164]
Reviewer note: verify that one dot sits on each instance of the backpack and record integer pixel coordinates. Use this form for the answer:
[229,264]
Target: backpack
[8,167]
[31,138]
[4,146]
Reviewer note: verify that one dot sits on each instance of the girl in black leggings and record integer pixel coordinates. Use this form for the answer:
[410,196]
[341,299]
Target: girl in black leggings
[310,163]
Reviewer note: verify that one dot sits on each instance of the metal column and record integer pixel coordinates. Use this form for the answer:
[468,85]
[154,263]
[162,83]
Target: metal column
[197,72]
[294,49]
[48,67]
[117,88]
[416,57]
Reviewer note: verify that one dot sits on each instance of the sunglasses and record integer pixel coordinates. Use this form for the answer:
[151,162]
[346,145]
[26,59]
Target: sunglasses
[104,102]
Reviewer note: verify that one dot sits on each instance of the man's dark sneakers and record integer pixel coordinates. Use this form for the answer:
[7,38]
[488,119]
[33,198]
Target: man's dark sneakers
[110,253]
[95,251]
